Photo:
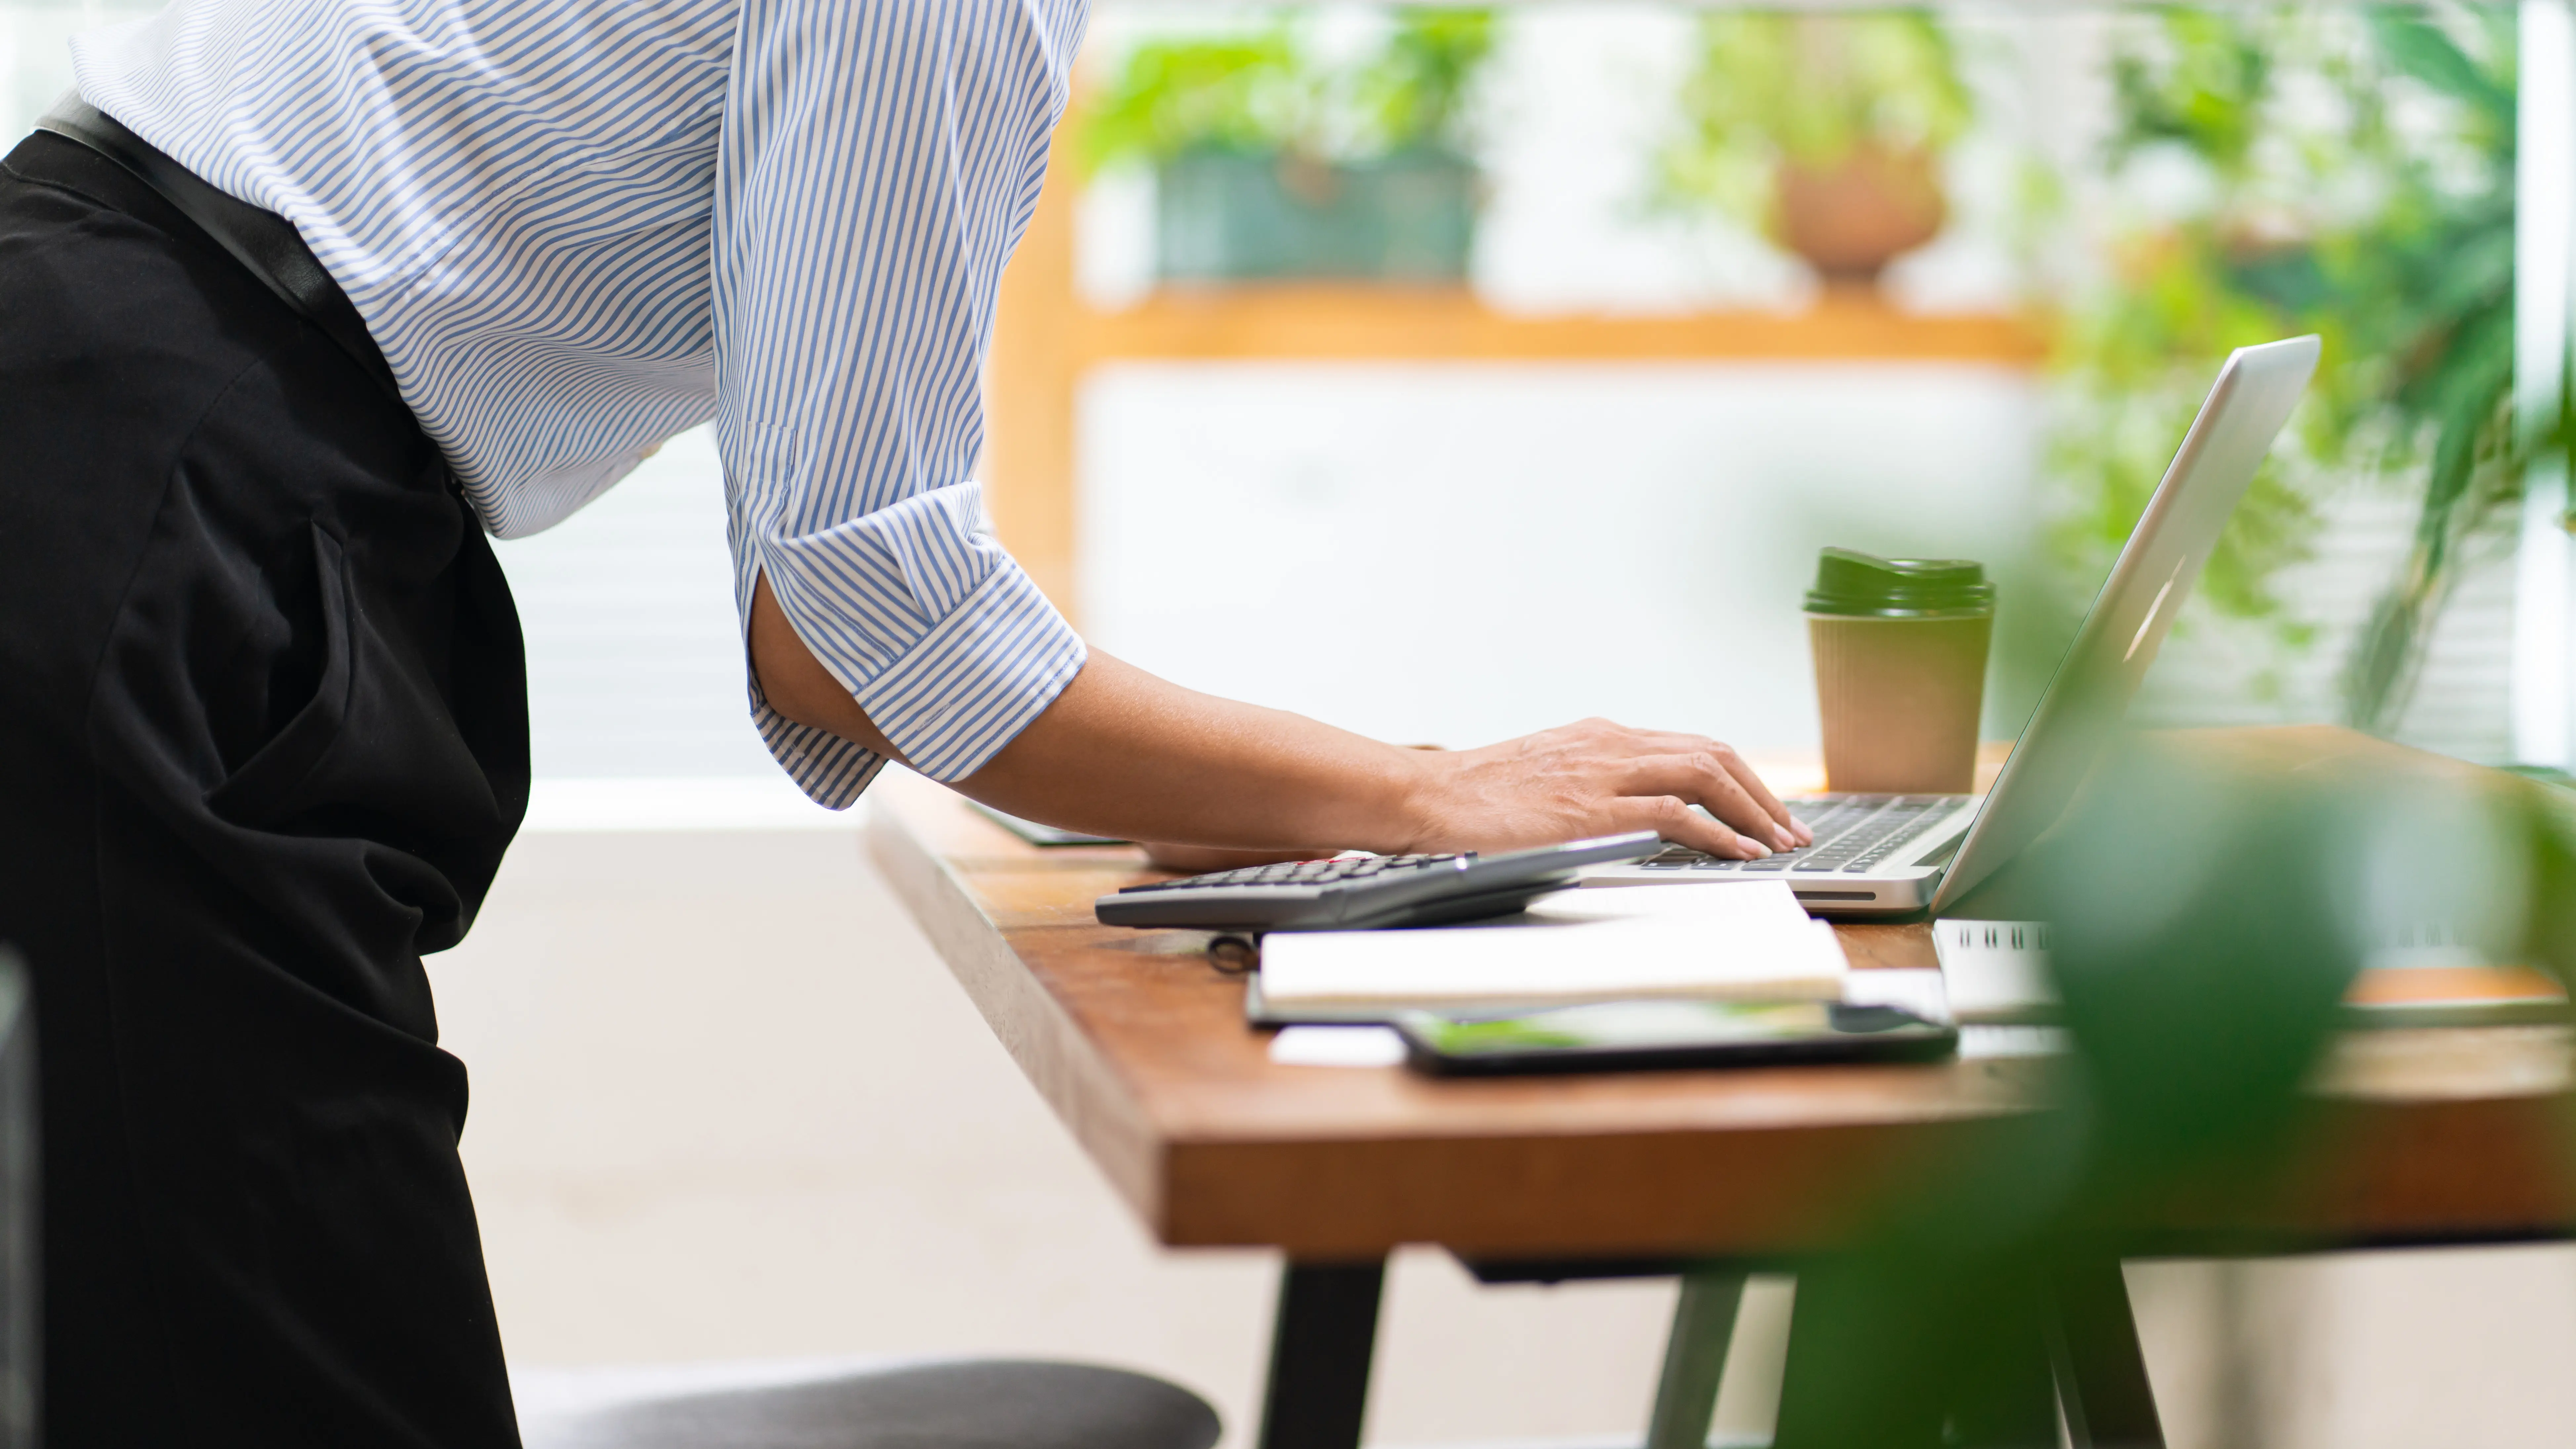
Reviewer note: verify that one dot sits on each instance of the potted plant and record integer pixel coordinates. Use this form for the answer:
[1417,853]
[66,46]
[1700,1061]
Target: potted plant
[1823,132]
[1271,164]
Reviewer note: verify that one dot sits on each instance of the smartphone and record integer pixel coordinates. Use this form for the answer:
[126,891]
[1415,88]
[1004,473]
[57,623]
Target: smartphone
[1610,1036]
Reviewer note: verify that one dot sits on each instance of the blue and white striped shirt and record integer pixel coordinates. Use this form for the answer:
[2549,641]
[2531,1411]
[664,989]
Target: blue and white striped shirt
[578,227]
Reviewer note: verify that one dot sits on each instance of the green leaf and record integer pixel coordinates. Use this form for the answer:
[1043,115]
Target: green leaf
[2419,49]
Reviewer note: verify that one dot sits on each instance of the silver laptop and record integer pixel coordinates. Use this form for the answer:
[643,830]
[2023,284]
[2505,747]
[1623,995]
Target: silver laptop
[1890,854]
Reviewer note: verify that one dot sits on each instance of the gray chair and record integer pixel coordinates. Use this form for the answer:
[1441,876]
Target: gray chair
[963,1404]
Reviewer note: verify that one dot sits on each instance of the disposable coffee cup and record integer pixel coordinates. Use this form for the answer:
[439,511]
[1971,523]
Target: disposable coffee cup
[1900,647]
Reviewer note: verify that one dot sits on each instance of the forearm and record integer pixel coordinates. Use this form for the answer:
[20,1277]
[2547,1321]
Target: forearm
[1123,753]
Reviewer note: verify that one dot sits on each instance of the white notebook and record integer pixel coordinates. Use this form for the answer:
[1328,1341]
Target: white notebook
[1749,941]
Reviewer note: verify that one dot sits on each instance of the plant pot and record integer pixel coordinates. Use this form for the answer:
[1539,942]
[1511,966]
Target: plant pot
[1850,220]
[1224,216]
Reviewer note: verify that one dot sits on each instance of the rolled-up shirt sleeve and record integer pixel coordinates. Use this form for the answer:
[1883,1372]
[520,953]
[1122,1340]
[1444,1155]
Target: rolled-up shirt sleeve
[880,159]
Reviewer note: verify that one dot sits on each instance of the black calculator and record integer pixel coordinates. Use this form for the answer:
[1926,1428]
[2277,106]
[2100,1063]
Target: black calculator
[1368,892]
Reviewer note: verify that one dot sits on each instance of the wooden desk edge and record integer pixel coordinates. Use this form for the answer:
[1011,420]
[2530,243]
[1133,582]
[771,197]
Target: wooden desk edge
[2399,1181]
[1032,1026]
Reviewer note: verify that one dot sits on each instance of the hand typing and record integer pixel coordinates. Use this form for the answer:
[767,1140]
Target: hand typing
[1599,778]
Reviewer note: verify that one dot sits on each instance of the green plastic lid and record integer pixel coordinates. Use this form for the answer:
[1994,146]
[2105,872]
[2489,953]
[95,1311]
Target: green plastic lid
[1854,584]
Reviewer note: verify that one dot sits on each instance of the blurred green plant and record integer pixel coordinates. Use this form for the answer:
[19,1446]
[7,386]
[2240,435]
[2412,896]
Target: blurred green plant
[1254,91]
[2210,910]
[1264,89]
[1768,90]
[2350,174]
[1418,88]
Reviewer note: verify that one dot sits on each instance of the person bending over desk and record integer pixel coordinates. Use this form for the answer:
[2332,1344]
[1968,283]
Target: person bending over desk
[305,299]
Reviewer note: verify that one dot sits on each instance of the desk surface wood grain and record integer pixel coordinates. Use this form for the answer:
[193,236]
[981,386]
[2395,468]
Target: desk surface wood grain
[1139,1044]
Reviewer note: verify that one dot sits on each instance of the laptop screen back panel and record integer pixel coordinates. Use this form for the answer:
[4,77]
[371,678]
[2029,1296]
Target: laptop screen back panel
[2083,705]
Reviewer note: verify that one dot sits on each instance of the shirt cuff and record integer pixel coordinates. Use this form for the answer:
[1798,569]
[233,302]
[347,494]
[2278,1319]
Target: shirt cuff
[976,679]
[829,769]
[950,702]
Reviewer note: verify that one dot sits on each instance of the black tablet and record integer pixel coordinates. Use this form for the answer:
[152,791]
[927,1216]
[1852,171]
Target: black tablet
[1637,1035]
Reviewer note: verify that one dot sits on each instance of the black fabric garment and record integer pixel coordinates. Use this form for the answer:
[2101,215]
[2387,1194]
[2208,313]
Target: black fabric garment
[263,740]
[265,243]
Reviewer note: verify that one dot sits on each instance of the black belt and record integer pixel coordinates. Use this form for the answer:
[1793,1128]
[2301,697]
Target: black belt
[262,241]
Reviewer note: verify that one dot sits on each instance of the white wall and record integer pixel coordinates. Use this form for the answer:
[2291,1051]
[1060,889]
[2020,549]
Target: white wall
[1458,554]
[635,663]
[35,65]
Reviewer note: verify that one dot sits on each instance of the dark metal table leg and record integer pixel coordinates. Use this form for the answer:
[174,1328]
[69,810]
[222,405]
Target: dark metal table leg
[1319,1355]
[1695,1359]
[2101,1371]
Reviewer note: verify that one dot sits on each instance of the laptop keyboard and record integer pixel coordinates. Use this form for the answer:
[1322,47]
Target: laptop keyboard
[1855,834]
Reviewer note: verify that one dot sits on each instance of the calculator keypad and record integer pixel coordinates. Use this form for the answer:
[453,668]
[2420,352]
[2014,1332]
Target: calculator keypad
[1304,872]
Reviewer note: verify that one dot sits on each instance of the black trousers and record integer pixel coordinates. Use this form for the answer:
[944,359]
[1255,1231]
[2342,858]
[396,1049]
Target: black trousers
[263,740]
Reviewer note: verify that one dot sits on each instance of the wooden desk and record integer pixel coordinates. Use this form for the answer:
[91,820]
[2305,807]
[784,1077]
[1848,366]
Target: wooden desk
[1140,1046]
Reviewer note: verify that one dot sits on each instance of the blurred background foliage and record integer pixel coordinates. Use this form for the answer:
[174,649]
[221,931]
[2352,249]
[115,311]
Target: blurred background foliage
[1416,90]
[1243,91]
[2344,172]
[1291,143]
[2269,171]
[1261,84]
[1766,90]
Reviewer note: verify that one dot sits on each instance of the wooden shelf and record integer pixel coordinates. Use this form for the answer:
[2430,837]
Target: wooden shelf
[1345,322]
[1045,337]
